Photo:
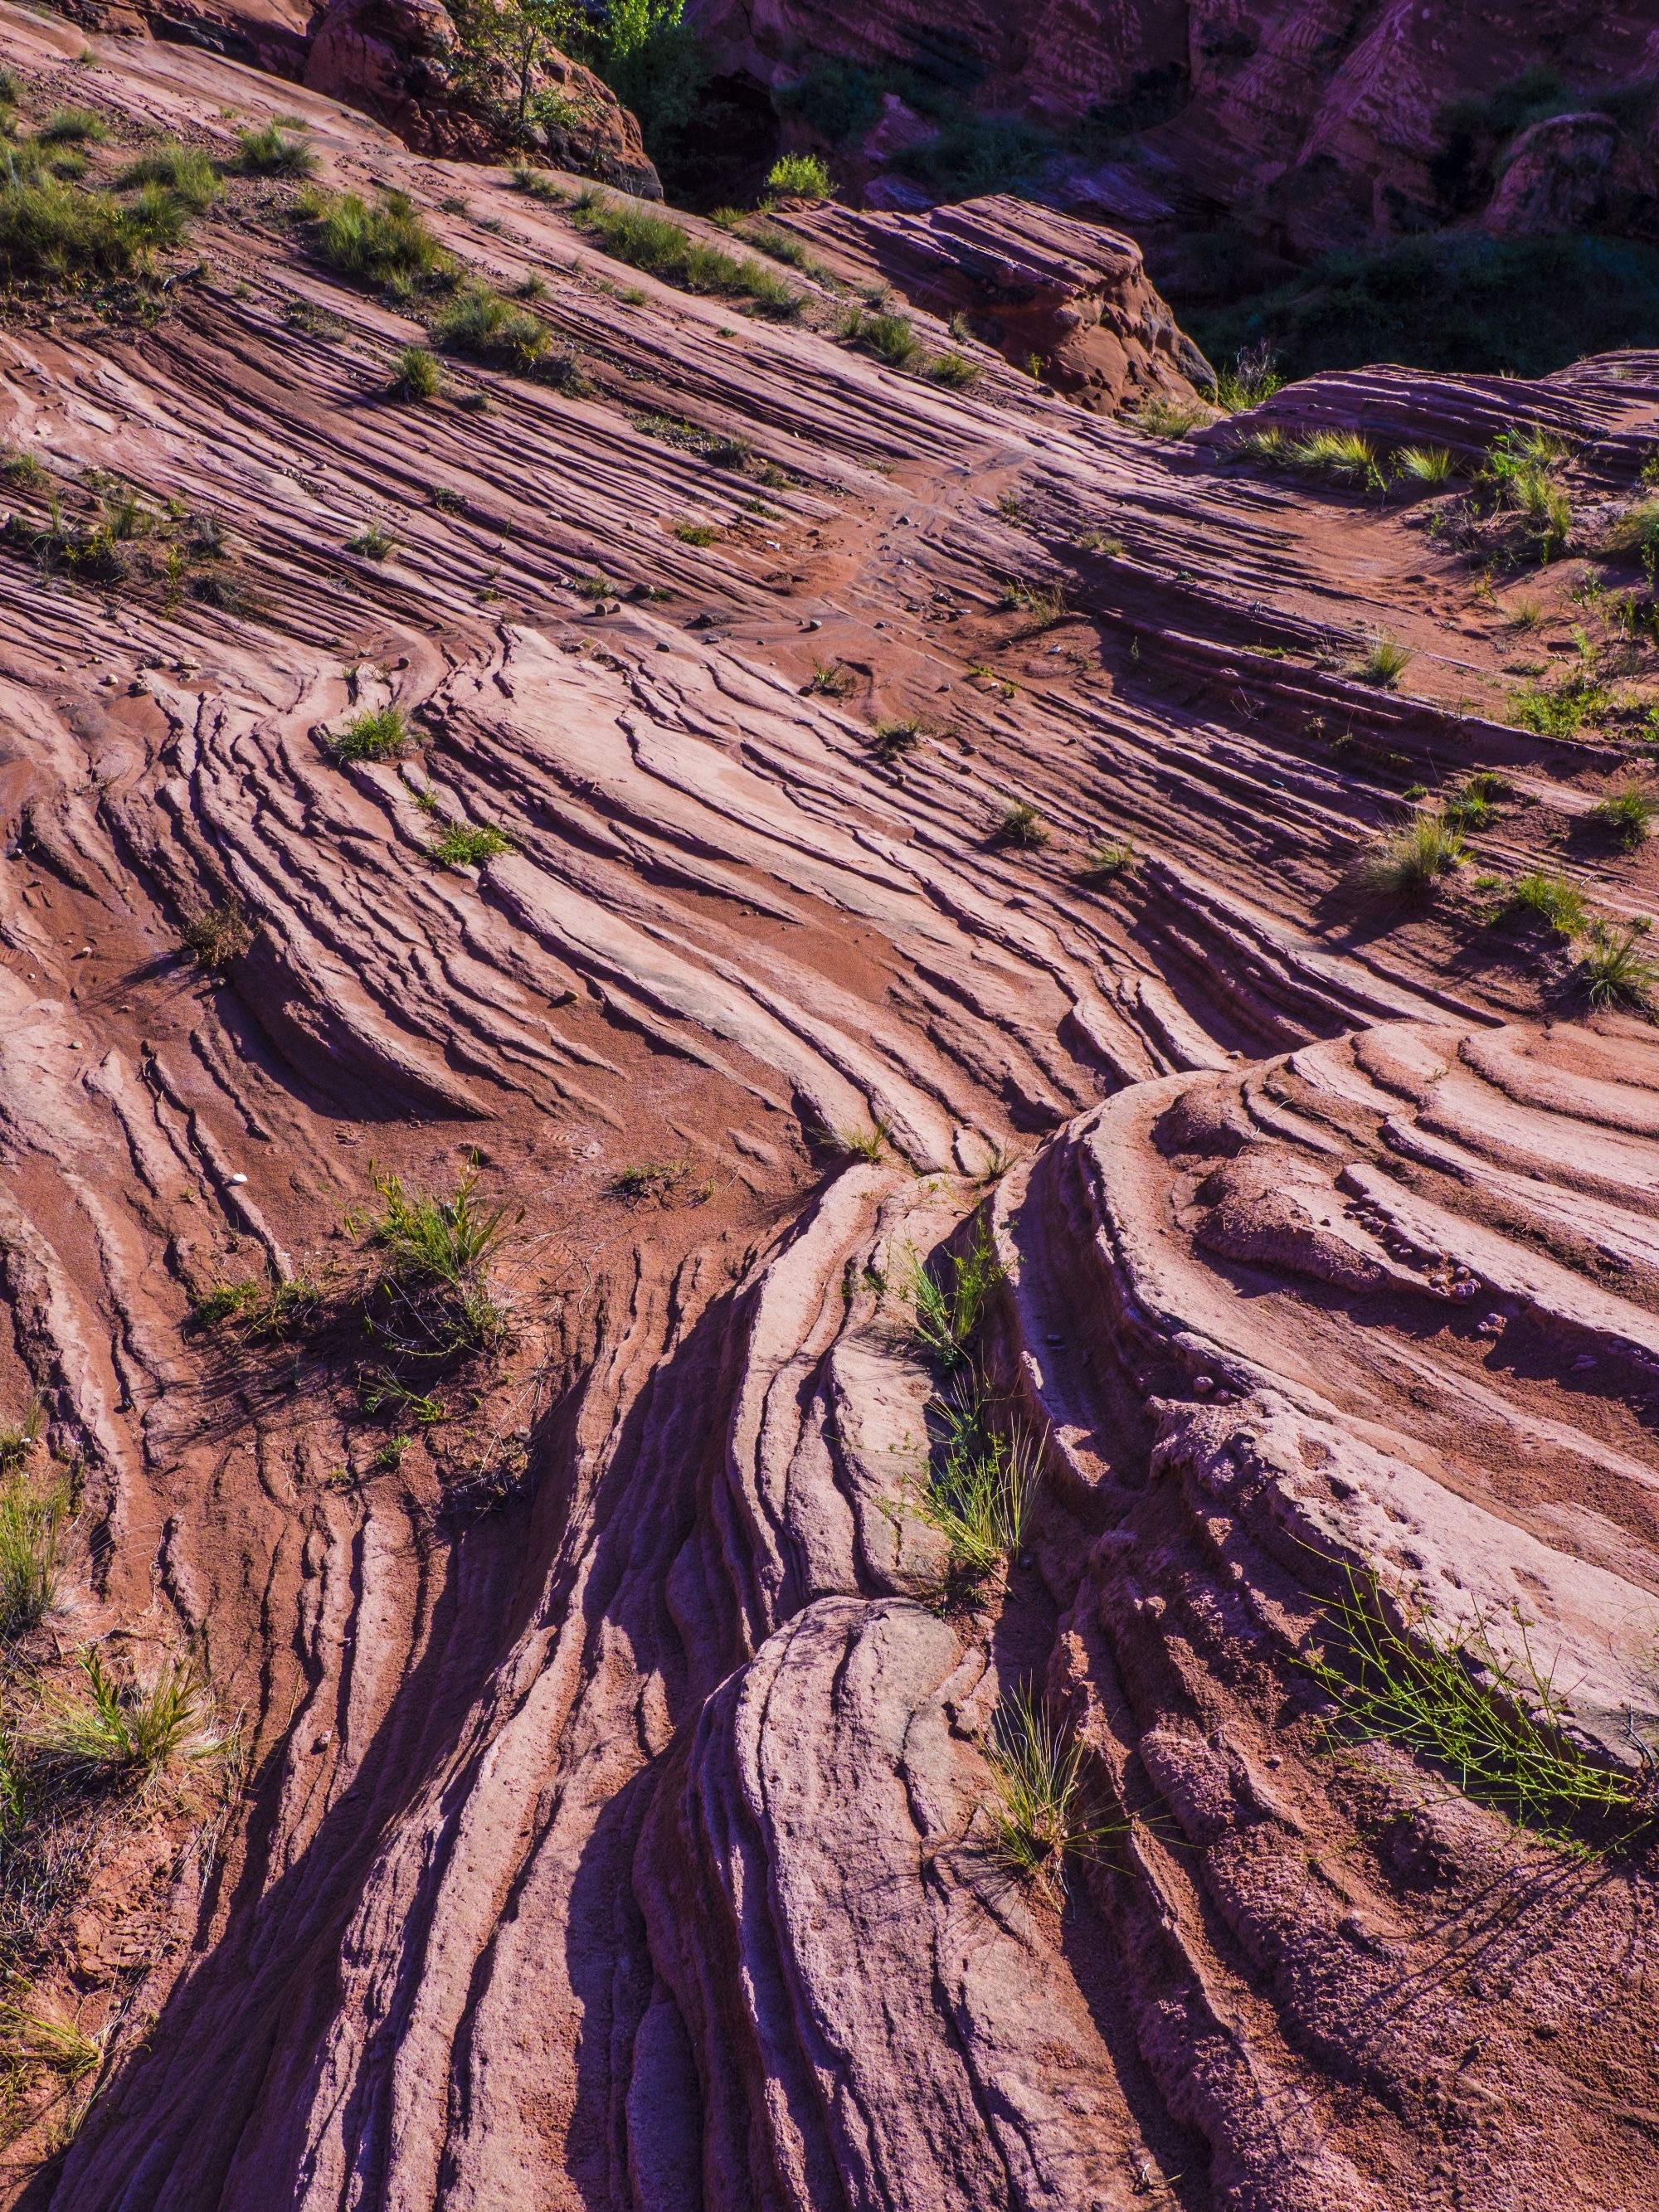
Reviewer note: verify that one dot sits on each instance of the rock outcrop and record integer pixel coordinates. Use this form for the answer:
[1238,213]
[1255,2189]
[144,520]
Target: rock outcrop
[783,819]
[1074,297]
[398,61]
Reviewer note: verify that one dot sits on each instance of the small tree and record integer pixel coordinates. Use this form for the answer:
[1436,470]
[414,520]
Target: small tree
[521,36]
[653,63]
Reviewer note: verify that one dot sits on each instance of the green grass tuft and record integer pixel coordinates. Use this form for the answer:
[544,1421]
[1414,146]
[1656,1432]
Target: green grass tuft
[469,844]
[1494,1724]
[980,1485]
[34,1518]
[1040,1816]
[479,322]
[1112,857]
[415,374]
[1616,969]
[109,1734]
[380,735]
[1384,663]
[184,170]
[667,250]
[385,243]
[270,152]
[1625,815]
[1412,859]
[947,1308]
[1021,826]
[1551,901]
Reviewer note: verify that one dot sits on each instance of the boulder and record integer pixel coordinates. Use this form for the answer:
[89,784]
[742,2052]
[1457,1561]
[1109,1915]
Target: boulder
[1557,178]
[1031,282]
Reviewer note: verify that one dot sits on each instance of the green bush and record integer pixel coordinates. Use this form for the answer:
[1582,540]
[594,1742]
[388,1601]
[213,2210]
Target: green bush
[32,1520]
[667,250]
[73,126]
[800,176]
[479,322]
[184,170]
[270,152]
[49,231]
[414,374]
[378,736]
[468,844]
[385,244]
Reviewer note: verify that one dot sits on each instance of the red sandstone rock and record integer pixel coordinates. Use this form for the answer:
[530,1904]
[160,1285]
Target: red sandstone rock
[1301,124]
[615,1826]
[1032,284]
[395,60]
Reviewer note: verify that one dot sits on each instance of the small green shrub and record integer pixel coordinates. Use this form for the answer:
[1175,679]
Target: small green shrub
[831,678]
[696,533]
[270,152]
[1345,456]
[33,1517]
[1475,807]
[1046,603]
[374,542]
[870,1143]
[1385,662]
[1636,530]
[1412,859]
[1494,1724]
[1022,827]
[1161,416]
[433,1298]
[667,250]
[469,844]
[1564,709]
[73,126]
[947,1308]
[980,1486]
[1112,857]
[1625,814]
[48,231]
[890,339]
[1550,900]
[385,244]
[380,735]
[1039,1817]
[1429,464]
[957,371]
[801,177]
[111,1733]
[32,2036]
[1248,379]
[1615,969]
[415,374]
[899,735]
[218,937]
[537,184]
[185,170]
[479,322]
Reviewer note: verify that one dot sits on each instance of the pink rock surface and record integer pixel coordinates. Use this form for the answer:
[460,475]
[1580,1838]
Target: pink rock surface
[615,1823]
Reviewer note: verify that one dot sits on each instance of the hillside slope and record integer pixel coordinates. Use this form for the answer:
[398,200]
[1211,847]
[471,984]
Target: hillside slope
[781,820]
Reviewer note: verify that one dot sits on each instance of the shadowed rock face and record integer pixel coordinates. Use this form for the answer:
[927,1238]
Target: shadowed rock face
[616,1821]
[1308,125]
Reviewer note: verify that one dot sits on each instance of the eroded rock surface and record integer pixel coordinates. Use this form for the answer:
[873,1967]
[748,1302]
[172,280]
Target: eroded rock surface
[614,1823]
[1073,296]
